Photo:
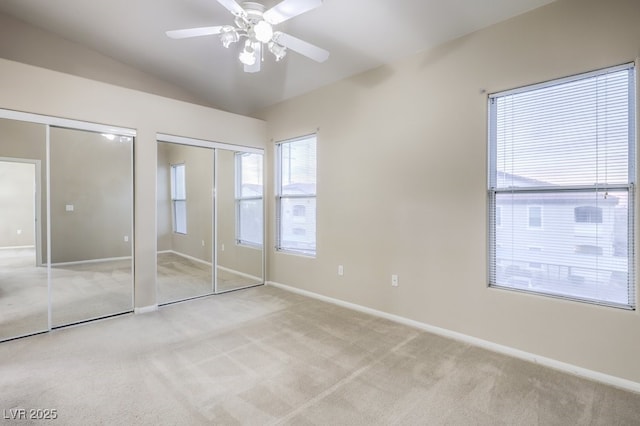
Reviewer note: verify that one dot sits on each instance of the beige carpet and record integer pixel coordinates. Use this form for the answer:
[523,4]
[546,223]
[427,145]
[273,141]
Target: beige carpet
[181,278]
[264,356]
[81,292]
[24,294]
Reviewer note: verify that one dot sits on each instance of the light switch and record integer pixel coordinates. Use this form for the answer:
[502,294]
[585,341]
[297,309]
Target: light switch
[69,207]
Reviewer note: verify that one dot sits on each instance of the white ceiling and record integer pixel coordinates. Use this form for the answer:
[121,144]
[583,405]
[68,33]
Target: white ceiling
[360,34]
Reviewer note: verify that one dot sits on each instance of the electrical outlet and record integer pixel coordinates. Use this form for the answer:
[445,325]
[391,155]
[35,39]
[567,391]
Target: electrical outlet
[19,231]
[394,280]
[340,270]
[202,243]
[126,238]
[222,248]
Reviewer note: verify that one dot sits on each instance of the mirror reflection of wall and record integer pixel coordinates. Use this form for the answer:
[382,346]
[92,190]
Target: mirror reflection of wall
[91,225]
[23,278]
[239,193]
[185,225]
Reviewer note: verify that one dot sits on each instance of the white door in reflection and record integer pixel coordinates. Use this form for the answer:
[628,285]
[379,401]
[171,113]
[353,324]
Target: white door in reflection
[23,278]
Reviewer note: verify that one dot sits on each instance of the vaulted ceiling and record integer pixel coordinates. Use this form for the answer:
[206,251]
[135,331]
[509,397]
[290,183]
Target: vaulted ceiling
[359,34]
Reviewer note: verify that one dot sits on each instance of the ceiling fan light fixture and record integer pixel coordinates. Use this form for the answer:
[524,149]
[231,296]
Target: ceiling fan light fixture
[278,50]
[256,26]
[263,31]
[228,35]
[248,54]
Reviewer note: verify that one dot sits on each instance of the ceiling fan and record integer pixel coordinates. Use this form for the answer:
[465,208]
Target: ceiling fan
[256,26]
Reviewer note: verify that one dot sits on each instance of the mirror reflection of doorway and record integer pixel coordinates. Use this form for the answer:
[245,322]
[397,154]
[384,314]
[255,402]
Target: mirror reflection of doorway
[23,282]
[23,278]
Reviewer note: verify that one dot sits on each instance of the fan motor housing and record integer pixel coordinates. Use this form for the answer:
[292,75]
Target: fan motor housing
[254,10]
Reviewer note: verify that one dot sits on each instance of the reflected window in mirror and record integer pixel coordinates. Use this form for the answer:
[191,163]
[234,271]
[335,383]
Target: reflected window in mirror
[179,198]
[249,193]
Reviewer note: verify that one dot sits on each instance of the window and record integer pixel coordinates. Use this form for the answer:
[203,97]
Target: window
[249,198]
[561,156]
[179,198]
[589,249]
[299,210]
[296,195]
[588,214]
[535,217]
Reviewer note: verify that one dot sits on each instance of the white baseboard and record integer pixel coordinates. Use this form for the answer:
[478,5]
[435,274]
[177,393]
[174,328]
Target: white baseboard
[186,256]
[242,274]
[80,262]
[145,309]
[17,247]
[485,344]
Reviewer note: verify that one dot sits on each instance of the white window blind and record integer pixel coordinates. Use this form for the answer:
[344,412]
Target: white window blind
[561,179]
[249,193]
[179,198]
[296,195]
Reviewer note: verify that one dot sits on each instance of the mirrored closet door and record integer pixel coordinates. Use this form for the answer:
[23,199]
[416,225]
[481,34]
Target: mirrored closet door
[66,222]
[239,220]
[24,295]
[185,229]
[91,225]
[210,219]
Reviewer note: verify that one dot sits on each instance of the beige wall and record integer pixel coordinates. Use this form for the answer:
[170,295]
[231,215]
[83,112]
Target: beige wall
[25,43]
[198,161]
[94,175]
[37,90]
[17,198]
[402,184]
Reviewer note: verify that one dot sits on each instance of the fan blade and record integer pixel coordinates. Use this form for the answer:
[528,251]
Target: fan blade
[233,7]
[301,46]
[256,66]
[287,9]
[194,32]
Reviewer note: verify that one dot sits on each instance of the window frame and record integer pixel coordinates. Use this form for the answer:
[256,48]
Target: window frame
[629,187]
[239,199]
[175,199]
[279,196]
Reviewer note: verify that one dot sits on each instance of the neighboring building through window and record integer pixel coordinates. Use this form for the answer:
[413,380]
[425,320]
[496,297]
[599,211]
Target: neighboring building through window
[562,163]
[296,195]
[249,199]
[179,198]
